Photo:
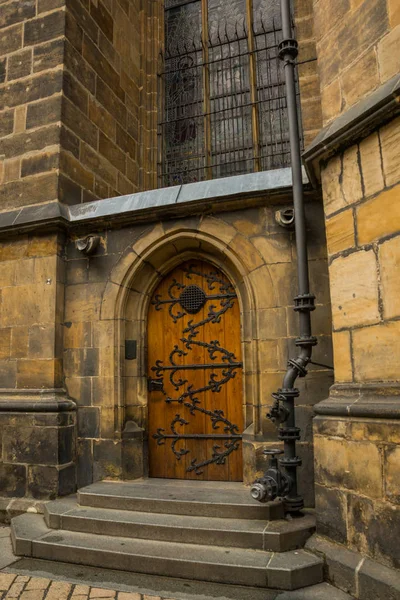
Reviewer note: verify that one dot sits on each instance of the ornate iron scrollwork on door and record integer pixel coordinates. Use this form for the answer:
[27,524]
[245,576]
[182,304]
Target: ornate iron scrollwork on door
[222,365]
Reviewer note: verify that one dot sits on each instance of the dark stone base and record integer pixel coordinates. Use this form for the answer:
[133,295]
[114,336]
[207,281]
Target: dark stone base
[363,578]
[37,461]
[135,460]
[122,459]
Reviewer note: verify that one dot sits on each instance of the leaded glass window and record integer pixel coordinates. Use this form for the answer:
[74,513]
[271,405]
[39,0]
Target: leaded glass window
[221,89]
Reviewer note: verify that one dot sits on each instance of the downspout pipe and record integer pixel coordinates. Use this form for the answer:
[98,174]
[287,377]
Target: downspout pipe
[275,482]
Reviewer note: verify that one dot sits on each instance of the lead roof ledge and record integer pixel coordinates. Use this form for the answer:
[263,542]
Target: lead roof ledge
[213,195]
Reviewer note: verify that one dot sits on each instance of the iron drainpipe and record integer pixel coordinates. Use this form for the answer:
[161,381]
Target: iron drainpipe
[283,408]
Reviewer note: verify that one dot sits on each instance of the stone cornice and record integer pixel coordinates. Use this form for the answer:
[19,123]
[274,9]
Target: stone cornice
[375,401]
[31,400]
[212,196]
[353,125]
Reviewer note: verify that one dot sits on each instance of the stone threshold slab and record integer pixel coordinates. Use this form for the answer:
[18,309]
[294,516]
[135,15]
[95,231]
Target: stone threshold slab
[196,498]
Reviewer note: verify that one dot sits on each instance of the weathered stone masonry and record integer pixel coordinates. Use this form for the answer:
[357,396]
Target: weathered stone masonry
[96,287]
[77,105]
[78,122]
[356,431]
[38,447]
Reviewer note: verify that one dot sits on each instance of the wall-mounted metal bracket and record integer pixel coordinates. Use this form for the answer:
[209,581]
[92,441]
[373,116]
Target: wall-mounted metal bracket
[285,217]
[88,244]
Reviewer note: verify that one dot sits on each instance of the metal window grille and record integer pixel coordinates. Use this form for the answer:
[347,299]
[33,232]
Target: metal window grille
[222,92]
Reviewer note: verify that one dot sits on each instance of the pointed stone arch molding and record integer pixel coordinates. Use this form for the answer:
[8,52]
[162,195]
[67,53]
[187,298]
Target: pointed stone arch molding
[126,299]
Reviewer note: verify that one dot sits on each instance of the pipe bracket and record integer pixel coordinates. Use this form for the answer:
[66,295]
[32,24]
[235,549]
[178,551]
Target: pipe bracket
[289,47]
[304,302]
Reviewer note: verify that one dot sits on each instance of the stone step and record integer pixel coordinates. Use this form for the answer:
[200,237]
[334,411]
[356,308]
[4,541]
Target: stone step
[276,536]
[164,587]
[196,498]
[288,570]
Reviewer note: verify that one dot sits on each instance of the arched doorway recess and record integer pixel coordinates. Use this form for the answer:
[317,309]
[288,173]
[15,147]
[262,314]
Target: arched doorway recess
[126,303]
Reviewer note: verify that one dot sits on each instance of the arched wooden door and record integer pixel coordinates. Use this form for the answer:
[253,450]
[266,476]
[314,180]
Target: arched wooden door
[195,376]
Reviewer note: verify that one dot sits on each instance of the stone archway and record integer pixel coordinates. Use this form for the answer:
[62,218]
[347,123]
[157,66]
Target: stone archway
[126,300]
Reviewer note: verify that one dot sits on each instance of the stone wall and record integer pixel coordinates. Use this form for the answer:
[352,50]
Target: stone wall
[110,102]
[310,97]
[357,427]
[37,437]
[77,100]
[357,42]
[356,484]
[361,192]
[32,303]
[31,81]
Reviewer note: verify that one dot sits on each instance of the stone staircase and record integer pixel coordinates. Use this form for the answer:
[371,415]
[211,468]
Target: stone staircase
[205,531]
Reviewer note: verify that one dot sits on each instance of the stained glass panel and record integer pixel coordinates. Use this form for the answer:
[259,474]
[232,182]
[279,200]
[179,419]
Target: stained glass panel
[183,126]
[211,87]
[231,135]
[226,19]
[266,15]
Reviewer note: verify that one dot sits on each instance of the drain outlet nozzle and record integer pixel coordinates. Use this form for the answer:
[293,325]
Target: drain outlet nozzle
[274,483]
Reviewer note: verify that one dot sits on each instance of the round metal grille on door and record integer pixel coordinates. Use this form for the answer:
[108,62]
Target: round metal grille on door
[192,299]
[195,376]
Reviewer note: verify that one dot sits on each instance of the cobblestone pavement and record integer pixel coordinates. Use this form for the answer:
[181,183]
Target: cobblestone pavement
[21,587]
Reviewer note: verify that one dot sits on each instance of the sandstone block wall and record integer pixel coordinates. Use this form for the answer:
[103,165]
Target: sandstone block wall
[77,100]
[361,191]
[37,449]
[356,456]
[31,312]
[355,491]
[307,70]
[31,82]
[37,459]
[357,42]
[356,484]
[109,105]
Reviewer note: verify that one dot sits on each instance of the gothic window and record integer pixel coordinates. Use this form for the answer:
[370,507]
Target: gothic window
[222,94]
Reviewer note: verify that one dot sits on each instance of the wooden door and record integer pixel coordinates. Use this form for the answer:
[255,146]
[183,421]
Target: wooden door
[195,376]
